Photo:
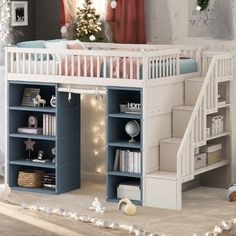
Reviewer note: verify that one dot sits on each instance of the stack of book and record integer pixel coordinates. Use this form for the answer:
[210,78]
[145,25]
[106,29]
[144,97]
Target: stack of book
[49,125]
[49,181]
[127,161]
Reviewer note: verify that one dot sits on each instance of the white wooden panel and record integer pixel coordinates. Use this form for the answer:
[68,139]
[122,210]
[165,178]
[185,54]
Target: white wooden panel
[161,193]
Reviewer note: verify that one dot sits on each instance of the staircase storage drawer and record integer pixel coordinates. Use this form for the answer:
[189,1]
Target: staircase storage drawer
[192,90]
[214,153]
[181,117]
[200,160]
[168,154]
[129,190]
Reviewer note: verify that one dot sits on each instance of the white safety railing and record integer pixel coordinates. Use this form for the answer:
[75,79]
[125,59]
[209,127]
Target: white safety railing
[221,66]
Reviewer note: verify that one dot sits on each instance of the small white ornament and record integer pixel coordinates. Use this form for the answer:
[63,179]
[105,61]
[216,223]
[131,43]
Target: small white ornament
[92,38]
[198,8]
[4,191]
[97,206]
[113,4]
[63,29]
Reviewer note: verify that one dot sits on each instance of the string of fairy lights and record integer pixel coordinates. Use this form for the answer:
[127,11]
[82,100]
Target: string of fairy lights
[97,132]
[4,20]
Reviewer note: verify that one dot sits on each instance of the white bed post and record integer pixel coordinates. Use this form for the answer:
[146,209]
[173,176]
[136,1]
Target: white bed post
[145,94]
[6,116]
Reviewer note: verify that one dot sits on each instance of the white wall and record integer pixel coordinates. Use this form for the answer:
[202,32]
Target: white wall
[167,22]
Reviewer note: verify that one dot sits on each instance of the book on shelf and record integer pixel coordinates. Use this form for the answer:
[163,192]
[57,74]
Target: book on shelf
[49,125]
[49,186]
[30,130]
[127,161]
[42,161]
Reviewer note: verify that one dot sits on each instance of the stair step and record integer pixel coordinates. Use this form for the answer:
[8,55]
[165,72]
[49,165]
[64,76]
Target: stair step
[181,117]
[192,89]
[168,154]
[163,175]
[196,79]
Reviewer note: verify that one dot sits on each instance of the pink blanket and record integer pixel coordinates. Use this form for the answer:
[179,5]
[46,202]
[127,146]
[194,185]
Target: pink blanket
[93,66]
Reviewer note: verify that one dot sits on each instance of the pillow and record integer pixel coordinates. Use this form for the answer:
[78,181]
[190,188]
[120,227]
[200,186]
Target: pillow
[31,44]
[76,44]
[58,45]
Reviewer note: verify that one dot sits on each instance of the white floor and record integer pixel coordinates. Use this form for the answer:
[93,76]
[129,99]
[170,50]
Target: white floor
[203,208]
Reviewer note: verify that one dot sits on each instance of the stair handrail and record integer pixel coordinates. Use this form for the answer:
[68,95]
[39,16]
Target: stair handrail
[190,127]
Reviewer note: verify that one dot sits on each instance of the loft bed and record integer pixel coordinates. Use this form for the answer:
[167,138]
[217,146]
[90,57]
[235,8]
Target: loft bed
[154,75]
[102,64]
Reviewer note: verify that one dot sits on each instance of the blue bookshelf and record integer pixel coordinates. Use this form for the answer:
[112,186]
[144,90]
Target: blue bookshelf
[66,141]
[118,140]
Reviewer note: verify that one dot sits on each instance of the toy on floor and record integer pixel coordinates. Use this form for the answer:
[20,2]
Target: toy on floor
[4,191]
[97,206]
[127,207]
[231,193]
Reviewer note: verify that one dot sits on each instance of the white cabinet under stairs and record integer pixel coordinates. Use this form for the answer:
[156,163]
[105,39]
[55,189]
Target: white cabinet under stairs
[189,131]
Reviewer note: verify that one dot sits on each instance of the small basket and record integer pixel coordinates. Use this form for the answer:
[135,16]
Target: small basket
[31,178]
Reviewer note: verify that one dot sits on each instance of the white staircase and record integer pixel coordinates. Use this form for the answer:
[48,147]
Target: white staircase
[189,123]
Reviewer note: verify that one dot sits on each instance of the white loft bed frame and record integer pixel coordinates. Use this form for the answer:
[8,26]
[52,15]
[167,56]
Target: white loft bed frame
[160,94]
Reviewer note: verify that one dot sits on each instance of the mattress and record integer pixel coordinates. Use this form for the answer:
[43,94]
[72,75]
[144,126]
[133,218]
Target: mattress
[188,65]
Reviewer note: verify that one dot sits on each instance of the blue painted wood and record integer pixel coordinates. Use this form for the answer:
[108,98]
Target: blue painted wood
[33,136]
[125,144]
[68,142]
[125,116]
[118,139]
[33,109]
[49,165]
[127,174]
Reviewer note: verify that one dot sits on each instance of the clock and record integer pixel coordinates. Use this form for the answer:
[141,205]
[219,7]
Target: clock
[53,101]
[33,122]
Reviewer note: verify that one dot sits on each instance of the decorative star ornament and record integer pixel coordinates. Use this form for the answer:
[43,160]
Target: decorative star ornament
[29,145]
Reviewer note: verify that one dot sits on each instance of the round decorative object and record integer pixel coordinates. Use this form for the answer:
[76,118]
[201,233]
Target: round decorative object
[53,101]
[202,5]
[54,151]
[113,4]
[32,121]
[132,128]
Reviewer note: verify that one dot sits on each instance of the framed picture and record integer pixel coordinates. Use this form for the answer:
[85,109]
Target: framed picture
[19,13]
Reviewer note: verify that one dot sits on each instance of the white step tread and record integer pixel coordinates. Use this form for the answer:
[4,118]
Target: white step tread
[171,140]
[211,167]
[183,108]
[196,79]
[162,175]
[173,176]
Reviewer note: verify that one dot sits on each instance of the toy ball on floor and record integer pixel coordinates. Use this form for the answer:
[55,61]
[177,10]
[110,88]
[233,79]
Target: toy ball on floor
[127,207]
[231,193]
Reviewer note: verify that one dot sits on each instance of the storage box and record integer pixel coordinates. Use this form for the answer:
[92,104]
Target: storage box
[129,190]
[200,160]
[214,153]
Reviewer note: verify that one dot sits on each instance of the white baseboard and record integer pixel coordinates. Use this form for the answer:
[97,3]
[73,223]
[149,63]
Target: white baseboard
[93,177]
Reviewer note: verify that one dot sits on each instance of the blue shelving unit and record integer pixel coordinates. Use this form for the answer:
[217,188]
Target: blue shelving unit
[117,139]
[66,141]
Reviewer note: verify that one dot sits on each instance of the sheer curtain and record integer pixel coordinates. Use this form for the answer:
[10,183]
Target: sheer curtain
[128,21]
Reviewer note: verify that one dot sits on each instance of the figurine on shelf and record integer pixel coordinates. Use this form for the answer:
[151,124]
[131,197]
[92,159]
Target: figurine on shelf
[132,128]
[29,147]
[97,206]
[38,100]
[54,154]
